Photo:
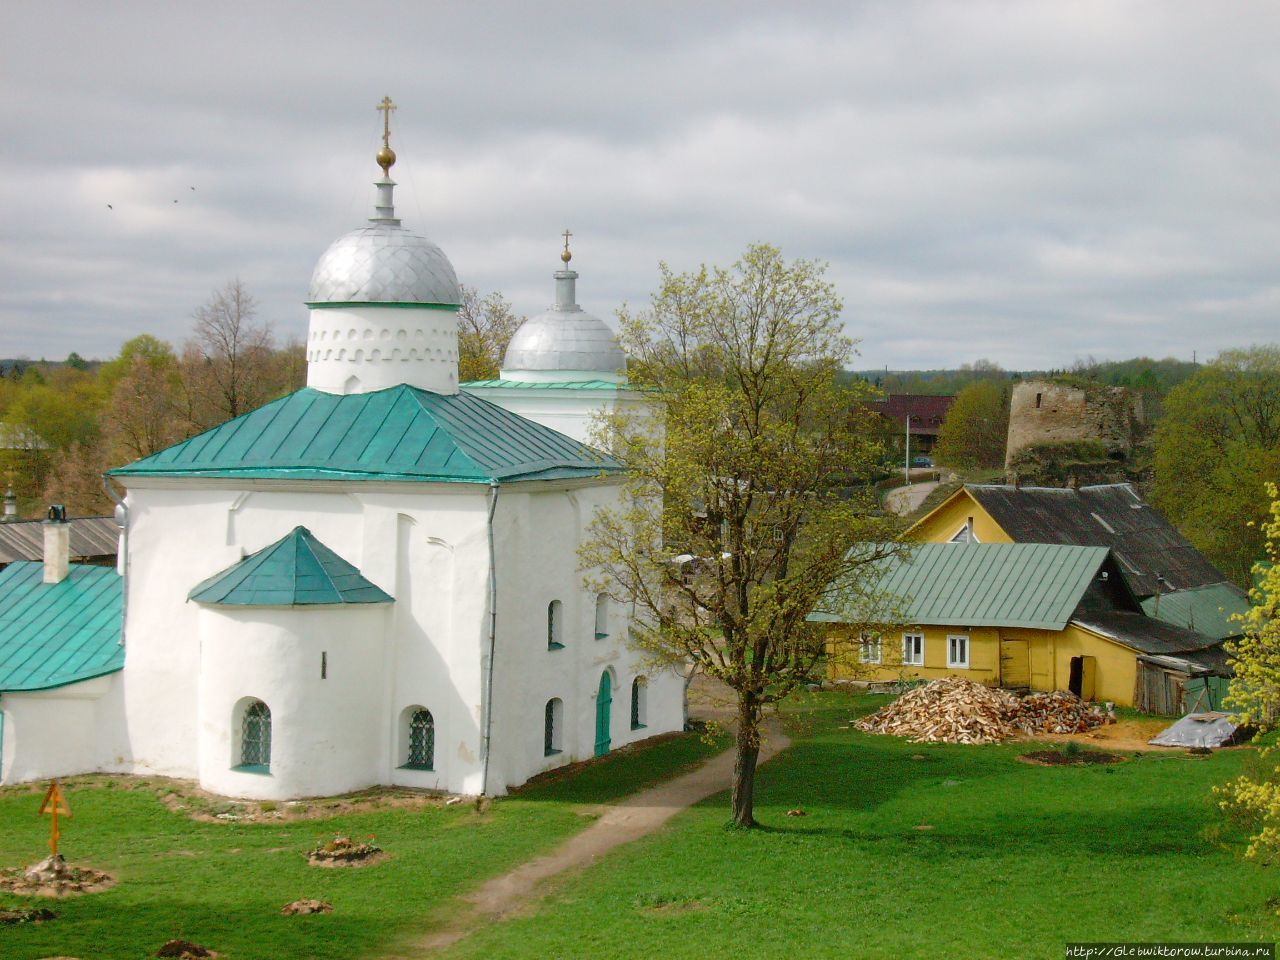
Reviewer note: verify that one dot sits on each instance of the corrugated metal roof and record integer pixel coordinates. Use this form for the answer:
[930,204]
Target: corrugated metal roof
[92,538]
[549,385]
[1032,585]
[401,433]
[1111,515]
[1142,633]
[1205,610]
[52,634]
[297,570]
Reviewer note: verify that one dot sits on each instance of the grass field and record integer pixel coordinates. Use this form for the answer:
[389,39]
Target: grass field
[1016,861]
[222,884]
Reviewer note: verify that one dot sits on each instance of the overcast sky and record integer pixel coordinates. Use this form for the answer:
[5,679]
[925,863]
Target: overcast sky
[1025,182]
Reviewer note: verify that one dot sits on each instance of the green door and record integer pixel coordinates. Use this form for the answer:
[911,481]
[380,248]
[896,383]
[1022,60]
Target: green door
[604,701]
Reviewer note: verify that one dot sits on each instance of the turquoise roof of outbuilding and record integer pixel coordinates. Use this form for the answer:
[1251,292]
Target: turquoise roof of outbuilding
[295,571]
[1207,610]
[1030,585]
[401,433]
[52,634]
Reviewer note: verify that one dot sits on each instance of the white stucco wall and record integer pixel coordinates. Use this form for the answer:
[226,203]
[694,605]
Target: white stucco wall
[570,412]
[361,349]
[540,529]
[328,728]
[56,733]
[188,665]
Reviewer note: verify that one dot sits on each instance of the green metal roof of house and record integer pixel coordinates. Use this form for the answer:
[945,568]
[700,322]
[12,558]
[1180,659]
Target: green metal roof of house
[52,634]
[548,385]
[1206,610]
[400,433]
[1032,585]
[295,571]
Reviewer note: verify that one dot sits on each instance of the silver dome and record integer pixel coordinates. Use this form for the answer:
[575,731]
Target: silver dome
[565,340]
[384,263]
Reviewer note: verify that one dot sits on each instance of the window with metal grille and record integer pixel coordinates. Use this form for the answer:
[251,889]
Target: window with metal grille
[552,722]
[555,614]
[638,704]
[422,741]
[255,737]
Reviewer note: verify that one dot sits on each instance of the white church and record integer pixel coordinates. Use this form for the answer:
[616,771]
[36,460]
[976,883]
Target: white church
[373,580]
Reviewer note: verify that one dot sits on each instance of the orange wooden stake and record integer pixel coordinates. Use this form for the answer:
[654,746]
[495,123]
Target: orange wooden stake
[54,803]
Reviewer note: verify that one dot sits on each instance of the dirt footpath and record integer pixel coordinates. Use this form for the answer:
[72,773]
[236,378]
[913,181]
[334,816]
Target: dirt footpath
[637,816]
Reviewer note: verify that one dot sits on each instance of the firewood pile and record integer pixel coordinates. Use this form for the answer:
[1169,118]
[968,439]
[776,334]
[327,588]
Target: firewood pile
[1057,712]
[951,710]
[955,710]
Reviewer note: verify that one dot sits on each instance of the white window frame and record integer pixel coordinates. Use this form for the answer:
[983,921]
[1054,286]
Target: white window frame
[866,643]
[952,662]
[907,659]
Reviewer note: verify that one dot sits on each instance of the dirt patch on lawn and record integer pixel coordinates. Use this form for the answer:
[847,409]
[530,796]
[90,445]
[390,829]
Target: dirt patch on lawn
[186,797]
[54,877]
[1082,758]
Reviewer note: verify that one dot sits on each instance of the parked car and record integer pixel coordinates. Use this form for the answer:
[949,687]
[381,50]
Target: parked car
[921,462]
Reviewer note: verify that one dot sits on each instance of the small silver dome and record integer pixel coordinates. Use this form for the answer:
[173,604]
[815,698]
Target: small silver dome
[384,263]
[565,340]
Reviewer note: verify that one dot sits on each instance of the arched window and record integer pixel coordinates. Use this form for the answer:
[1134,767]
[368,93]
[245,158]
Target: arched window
[602,616]
[422,740]
[555,625]
[639,706]
[255,737]
[553,727]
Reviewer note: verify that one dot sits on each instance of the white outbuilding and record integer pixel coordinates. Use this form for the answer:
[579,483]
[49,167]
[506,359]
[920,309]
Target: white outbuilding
[373,580]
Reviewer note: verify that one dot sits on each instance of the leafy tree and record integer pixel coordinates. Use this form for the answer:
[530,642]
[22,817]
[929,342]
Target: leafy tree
[731,527]
[485,327]
[1255,696]
[976,428]
[1218,440]
[76,362]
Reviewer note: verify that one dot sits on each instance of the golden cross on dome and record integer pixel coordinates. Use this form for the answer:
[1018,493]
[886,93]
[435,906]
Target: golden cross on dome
[566,256]
[385,108]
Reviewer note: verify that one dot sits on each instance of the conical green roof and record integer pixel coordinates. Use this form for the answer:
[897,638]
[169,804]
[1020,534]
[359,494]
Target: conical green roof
[297,570]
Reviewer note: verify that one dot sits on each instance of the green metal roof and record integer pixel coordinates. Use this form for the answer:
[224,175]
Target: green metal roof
[549,385]
[52,634]
[1205,610]
[400,433]
[295,571]
[1032,585]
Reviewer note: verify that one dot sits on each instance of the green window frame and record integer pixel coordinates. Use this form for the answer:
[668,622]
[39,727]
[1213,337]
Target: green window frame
[255,738]
[422,741]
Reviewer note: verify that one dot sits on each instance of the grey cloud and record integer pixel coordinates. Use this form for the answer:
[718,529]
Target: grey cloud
[1022,181]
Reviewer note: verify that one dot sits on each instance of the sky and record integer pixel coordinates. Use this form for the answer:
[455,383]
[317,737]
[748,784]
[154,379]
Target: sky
[1029,183]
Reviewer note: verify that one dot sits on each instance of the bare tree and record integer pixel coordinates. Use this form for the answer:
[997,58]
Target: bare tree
[226,365]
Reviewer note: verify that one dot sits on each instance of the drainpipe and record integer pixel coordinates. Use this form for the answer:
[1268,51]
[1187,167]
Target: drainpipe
[493,638]
[122,560]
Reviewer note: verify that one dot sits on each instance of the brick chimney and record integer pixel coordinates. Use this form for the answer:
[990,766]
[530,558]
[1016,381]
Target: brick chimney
[57,545]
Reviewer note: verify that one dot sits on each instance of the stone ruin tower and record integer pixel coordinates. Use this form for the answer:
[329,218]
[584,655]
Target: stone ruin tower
[1049,412]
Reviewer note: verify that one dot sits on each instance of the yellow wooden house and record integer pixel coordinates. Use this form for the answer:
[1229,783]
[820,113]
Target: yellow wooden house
[1041,589]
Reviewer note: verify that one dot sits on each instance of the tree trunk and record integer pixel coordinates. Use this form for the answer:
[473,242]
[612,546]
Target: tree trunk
[744,766]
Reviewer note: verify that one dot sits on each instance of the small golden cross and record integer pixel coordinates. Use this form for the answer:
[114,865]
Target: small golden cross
[566,256]
[385,108]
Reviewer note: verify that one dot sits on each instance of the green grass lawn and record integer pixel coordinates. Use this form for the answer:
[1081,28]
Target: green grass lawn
[222,884]
[1019,860]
